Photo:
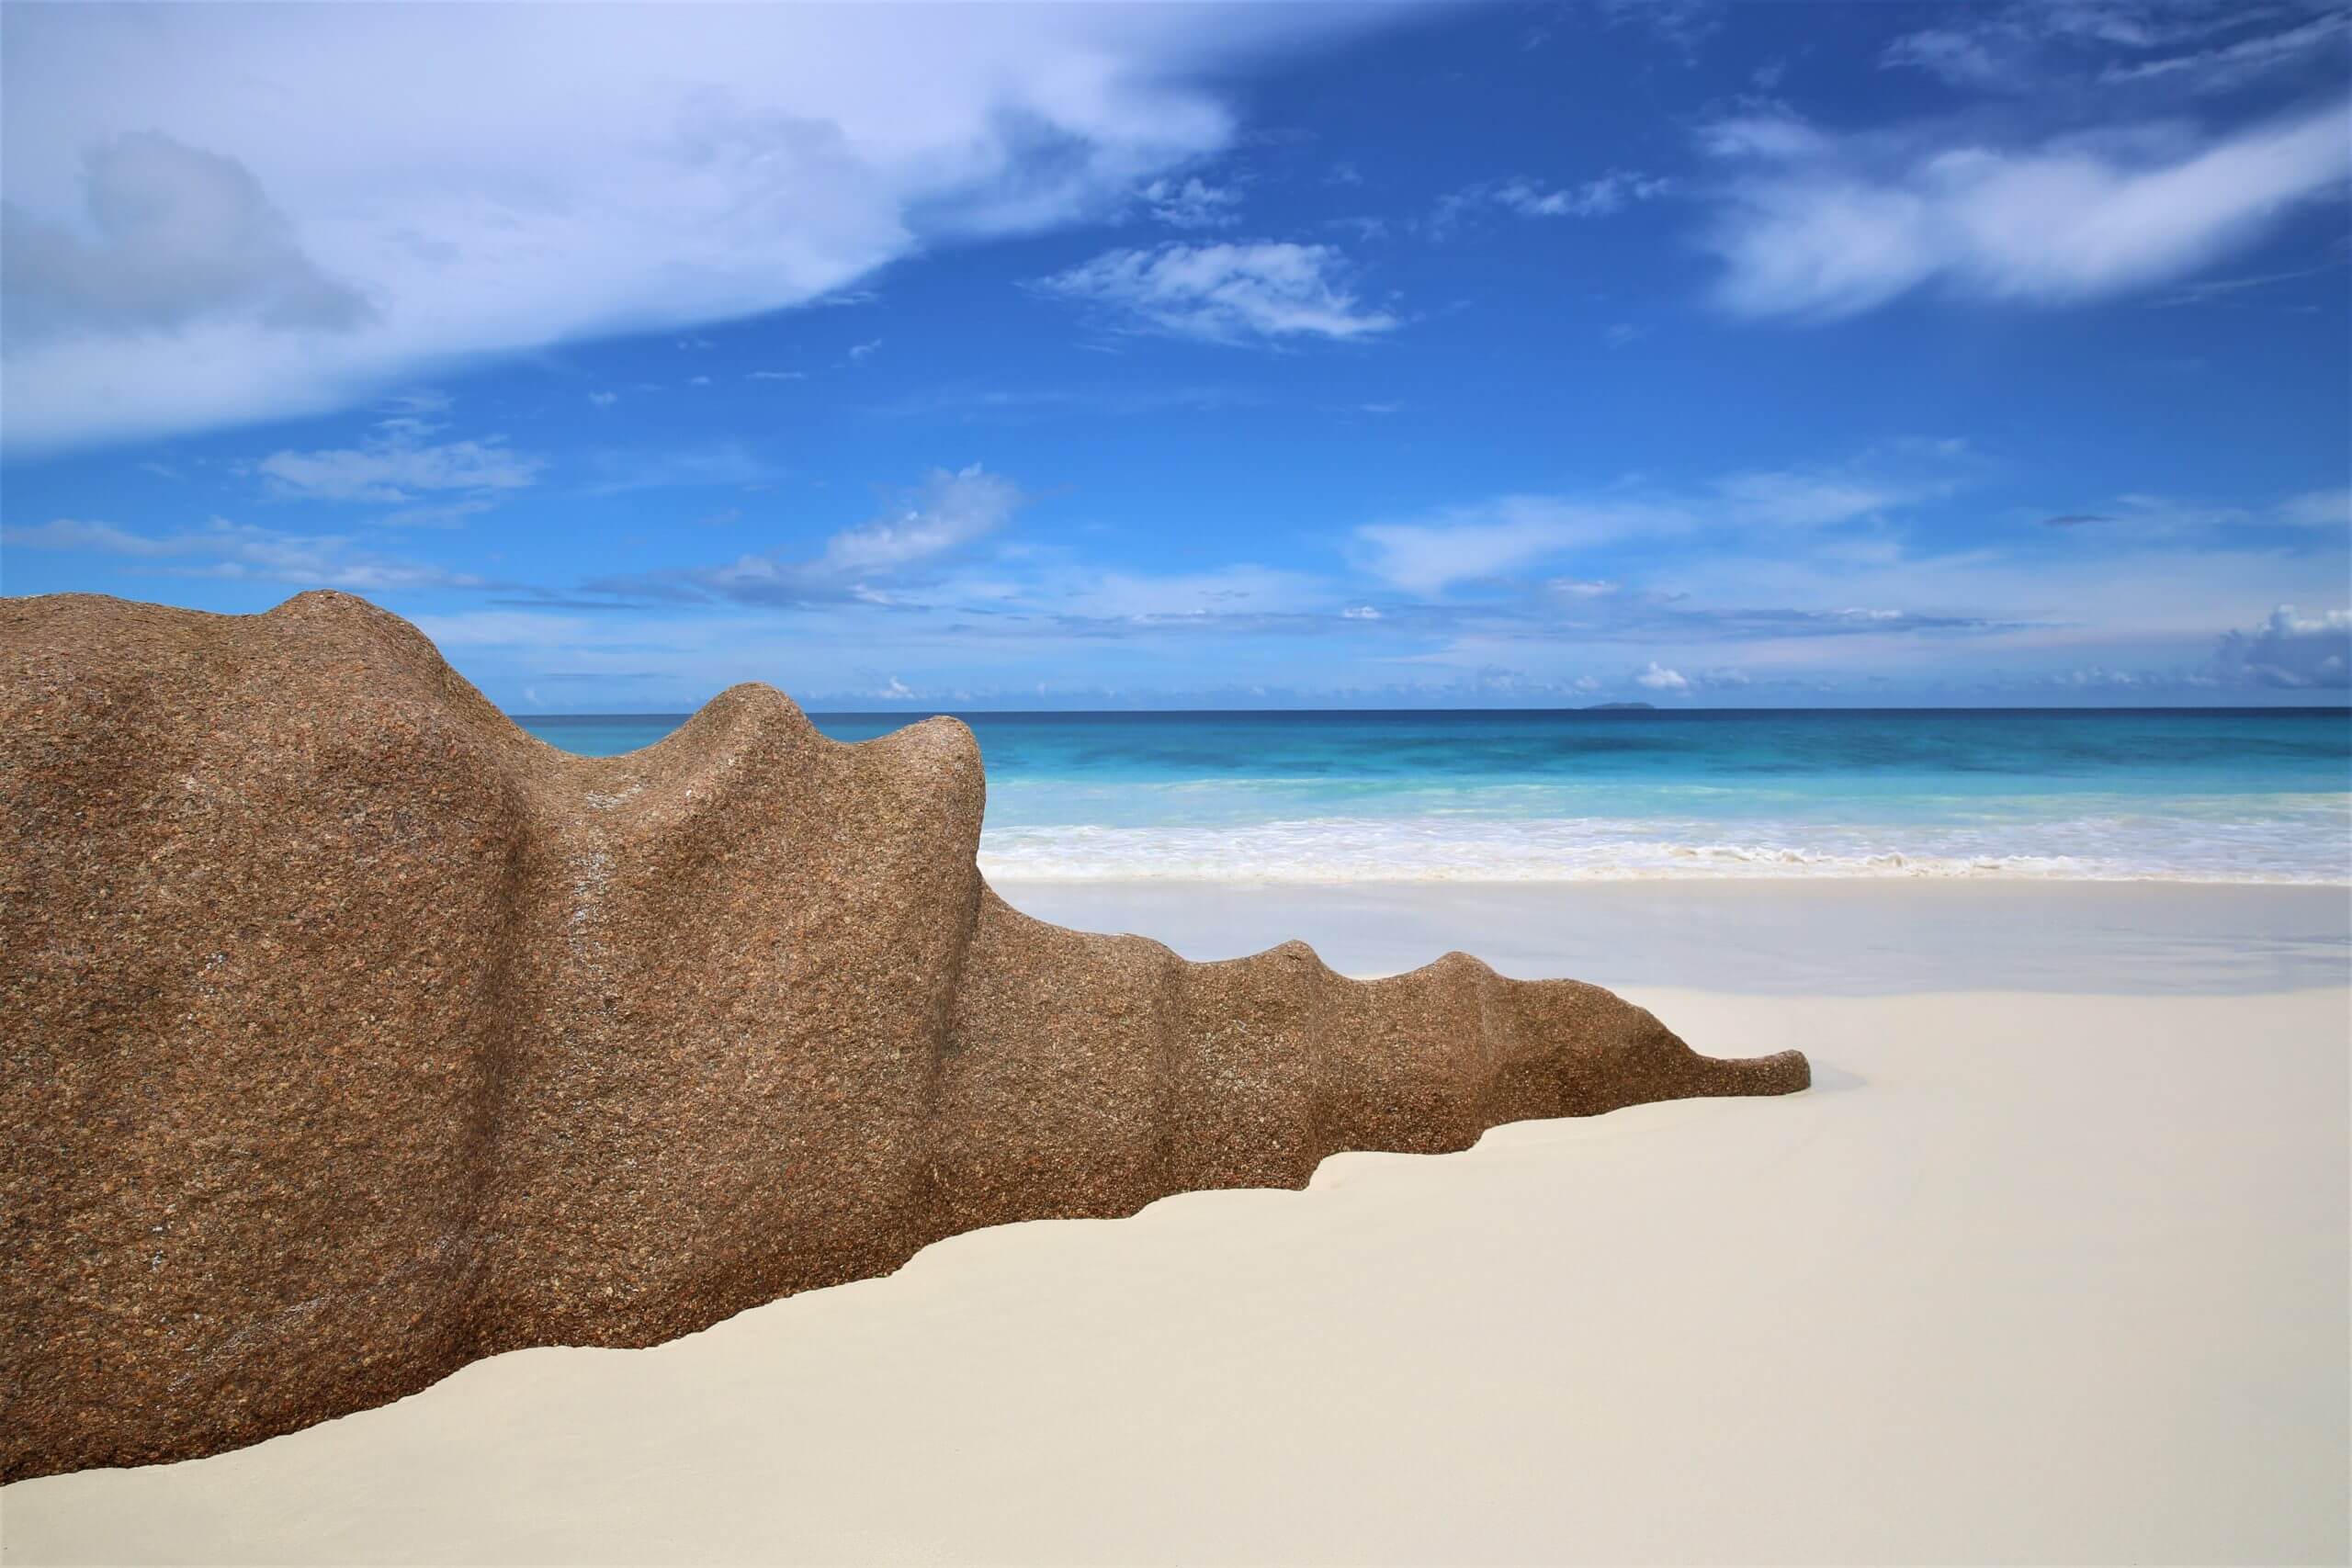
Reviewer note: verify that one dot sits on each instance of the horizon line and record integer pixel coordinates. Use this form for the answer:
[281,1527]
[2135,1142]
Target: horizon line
[1599,710]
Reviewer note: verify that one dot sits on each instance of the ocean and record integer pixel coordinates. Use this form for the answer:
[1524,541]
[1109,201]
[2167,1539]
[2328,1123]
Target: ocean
[2243,795]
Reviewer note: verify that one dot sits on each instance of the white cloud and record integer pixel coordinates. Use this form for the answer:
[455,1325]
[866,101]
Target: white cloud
[724,463]
[1807,500]
[240,552]
[942,516]
[396,465]
[950,510]
[860,352]
[1965,57]
[1192,203]
[2162,516]
[604,400]
[1180,598]
[1657,678]
[778,375]
[1224,293]
[2025,48]
[2319,508]
[1463,543]
[305,227]
[1596,197]
[179,235]
[1499,536]
[2226,66]
[1816,226]
[2289,650]
[439,514]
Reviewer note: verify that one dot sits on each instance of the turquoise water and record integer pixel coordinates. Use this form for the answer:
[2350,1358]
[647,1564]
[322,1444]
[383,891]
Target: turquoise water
[2219,795]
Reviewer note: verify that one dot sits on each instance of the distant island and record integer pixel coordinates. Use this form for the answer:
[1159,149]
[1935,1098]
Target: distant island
[1620,707]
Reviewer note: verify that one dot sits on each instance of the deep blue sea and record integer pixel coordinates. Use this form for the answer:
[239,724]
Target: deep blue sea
[2205,795]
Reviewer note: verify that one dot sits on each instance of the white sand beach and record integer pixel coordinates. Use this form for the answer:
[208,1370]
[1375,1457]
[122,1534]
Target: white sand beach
[2049,1265]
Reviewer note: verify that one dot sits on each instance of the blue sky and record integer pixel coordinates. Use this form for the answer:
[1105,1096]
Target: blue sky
[965,356]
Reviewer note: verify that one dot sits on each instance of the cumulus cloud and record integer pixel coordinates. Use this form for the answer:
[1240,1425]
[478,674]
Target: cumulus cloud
[279,223]
[2288,650]
[240,552]
[1657,678]
[1814,225]
[1223,293]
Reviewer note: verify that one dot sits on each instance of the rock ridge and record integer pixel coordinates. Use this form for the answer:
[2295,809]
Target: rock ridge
[352,1034]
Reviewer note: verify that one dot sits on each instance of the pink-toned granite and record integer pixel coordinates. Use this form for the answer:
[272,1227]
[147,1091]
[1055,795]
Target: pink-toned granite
[351,1034]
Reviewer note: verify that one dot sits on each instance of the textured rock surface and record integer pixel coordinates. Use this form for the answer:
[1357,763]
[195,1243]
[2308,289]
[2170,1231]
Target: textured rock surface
[351,1034]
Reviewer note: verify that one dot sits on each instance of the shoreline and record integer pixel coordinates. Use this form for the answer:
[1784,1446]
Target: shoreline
[1794,936]
[2031,1277]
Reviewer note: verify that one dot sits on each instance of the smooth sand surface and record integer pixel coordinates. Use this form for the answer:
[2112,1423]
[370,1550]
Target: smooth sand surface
[2026,1277]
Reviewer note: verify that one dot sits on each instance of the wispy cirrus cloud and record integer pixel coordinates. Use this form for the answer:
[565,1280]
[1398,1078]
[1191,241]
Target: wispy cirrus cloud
[1192,203]
[1257,291]
[2160,516]
[2199,48]
[1504,535]
[1511,532]
[399,462]
[946,512]
[1815,225]
[2329,508]
[1524,197]
[240,552]
[712,465]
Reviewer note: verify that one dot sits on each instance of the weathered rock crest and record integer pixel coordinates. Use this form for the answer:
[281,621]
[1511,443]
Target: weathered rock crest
[351,1034]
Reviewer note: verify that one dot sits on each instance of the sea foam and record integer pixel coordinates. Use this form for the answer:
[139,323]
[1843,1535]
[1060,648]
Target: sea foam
[1432,849]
